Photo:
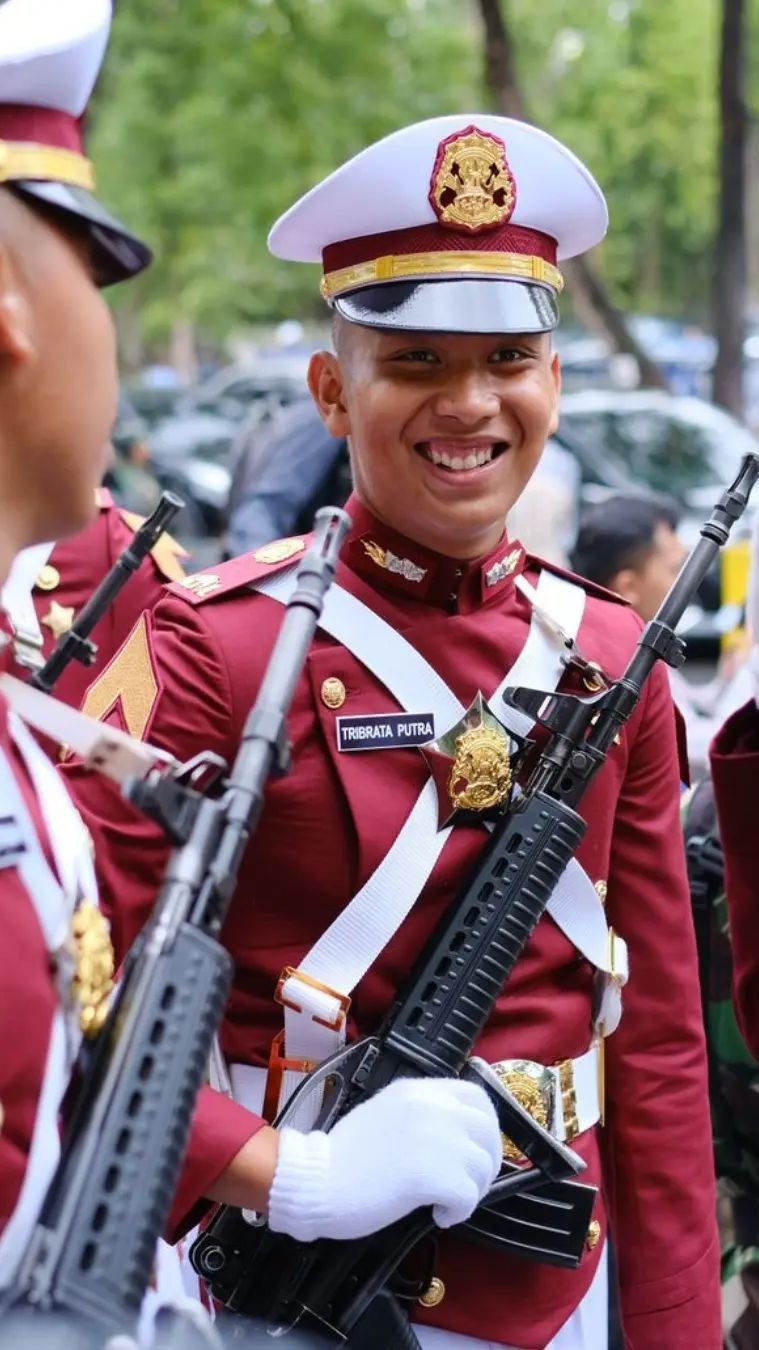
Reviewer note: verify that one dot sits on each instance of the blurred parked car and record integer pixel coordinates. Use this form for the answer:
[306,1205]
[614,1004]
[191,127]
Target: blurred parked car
[647,440]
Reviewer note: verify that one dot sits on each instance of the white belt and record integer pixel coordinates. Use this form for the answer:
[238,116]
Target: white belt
[567,1098]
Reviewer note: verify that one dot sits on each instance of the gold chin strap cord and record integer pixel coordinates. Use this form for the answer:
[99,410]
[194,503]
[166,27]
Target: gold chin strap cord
[46,163]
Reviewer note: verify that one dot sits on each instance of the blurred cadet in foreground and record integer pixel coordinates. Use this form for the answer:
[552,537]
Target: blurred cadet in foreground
[628,543]
[58,389]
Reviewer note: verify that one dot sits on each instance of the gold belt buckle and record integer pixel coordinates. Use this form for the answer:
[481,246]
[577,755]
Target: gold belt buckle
[533,1086]
[568,1099]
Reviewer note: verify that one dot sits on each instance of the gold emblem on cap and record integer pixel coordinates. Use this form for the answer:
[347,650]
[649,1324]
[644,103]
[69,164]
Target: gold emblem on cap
[93,976]
[201,583]
[48,578]
[433,1294]
[333,692]
[593,1235]
[403,567]
[279,550]
[472,187]
[480,775]
[59,618]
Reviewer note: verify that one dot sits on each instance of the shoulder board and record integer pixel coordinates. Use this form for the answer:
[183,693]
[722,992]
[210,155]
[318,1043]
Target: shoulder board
[239,573]
[166,553]
[590,587]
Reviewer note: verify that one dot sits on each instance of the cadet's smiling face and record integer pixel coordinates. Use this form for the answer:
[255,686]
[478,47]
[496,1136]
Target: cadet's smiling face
[445,429]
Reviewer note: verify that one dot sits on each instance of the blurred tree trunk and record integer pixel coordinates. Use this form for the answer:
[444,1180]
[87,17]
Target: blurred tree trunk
[730,248]
[589,295]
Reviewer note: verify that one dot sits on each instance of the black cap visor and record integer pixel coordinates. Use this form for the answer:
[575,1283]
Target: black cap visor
[116,254]
[461,305]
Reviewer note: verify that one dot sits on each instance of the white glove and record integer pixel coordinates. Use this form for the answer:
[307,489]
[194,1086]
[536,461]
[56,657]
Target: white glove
[417,1142]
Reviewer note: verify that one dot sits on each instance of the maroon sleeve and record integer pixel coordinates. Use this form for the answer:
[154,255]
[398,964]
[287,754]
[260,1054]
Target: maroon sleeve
[219,1129]
[657,1141]
[190,712]
[735,773]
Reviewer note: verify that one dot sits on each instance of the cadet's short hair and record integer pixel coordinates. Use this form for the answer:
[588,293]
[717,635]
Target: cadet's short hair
[619,532]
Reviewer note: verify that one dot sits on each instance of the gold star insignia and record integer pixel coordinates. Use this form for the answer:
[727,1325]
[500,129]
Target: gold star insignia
[59,619]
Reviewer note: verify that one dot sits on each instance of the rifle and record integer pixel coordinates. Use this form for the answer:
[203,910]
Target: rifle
[436,1019]
[76,644]
[90,1255]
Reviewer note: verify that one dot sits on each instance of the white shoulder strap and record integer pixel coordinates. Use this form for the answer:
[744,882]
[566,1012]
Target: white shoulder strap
[16,600]
[54,907]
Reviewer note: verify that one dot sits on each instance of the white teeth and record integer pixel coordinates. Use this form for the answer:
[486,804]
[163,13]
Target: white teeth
[473,460]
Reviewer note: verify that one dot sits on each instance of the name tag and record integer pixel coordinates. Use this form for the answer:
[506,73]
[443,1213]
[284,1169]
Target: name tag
[385,731]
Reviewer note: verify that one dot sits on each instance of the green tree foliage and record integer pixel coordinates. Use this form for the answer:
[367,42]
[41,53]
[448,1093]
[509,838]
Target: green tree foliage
[215,114]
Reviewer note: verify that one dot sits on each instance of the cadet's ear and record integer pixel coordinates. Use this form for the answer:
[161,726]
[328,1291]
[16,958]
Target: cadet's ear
[325,380]
[626,584]
[15,316]
[553,424]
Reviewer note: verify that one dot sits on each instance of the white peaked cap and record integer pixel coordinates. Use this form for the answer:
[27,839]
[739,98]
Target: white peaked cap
[386,187]
[454,224]
[50,56]
[51,51]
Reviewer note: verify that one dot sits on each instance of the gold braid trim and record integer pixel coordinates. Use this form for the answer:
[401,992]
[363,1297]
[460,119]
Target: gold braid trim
[49,163]
[520,266]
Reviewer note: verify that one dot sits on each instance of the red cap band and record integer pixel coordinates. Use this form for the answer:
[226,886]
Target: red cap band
[41,126]
[437,239]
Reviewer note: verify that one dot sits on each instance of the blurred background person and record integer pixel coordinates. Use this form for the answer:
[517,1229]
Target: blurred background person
[629,544]
[284,471]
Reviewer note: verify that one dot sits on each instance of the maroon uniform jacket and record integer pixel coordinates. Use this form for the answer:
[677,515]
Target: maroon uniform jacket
[735,772]
[28,999]
[326,827]
[75,567]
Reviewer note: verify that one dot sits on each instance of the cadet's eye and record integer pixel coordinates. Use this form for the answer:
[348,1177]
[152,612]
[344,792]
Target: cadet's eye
[508,355]
[421,355]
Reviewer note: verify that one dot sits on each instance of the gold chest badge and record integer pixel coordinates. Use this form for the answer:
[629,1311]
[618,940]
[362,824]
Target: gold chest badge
[480,775]
[93,960]
[472,187]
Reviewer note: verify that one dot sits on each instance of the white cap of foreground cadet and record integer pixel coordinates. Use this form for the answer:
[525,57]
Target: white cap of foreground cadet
[455,224]
[50,55]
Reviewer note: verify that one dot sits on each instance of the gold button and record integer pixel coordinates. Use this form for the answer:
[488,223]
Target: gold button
[593,1235]
[279,550]
[433,1294]
[48,578]
[333,692]
[602,890]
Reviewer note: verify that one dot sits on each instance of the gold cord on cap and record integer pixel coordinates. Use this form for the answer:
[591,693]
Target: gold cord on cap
[475,262]
[48,163]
